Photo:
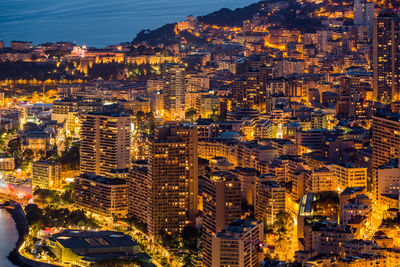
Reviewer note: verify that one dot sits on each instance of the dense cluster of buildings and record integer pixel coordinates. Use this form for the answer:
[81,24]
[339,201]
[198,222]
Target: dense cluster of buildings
[277,143]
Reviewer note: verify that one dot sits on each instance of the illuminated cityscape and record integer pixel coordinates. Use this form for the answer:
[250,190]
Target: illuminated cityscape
[268,135]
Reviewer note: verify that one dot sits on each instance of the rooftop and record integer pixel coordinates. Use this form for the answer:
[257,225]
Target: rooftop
[392,164]
[223,176]
[46,162]
[102,180]
[77,239]
[236,229]
[108,114]
[273,184]
[387,114]
[37,134]
[352,190]
[362,257]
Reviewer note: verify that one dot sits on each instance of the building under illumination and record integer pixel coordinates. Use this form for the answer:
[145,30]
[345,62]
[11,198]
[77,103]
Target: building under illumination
[174,91]
[46,174]
[221,206]
[173,178]
[84,248]
[138,187]
[349,175]
[386,57]
[239,244]
[363,12]
[388,177]
[101,195]
[105,142]
[385,140]
[269,200]
[7,162]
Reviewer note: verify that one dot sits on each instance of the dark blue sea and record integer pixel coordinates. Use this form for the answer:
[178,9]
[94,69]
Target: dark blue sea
[96,22]
[8,237]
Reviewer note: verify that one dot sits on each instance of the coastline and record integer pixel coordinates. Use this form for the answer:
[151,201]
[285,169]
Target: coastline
[17,213]
[22,226]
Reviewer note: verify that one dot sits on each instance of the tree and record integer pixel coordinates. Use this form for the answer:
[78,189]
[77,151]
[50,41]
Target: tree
[164,261]
[55,217]
[42,154]
[168,240]
[283,223]
[187,260]
[133,221]
[14,145]
[33,214]
[76,216]
[191,114]
[326,203]
[283,226]
[149,116]
[67,195]
[106,71]
[70,157]
[51,153]
[117,263]
[36,70]
[46,196]
[68,142]
[189,237]
[160,35]
[28,155]
[227,17]
[140,116]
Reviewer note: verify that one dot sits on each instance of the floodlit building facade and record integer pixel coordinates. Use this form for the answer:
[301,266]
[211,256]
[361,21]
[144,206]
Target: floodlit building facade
[105,142]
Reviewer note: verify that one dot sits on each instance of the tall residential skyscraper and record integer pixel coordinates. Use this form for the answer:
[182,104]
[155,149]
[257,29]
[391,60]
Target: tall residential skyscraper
[363,12]
[249,91]
[105,142]
[385,139]
[173,179]
[139,184]
[386,57]
[174,92]
[221,206]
